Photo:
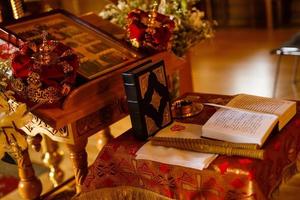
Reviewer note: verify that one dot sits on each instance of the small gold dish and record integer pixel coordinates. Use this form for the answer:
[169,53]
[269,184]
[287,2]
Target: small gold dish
[185,108]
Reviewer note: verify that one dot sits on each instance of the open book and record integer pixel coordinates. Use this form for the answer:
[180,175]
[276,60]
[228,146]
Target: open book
[248,119]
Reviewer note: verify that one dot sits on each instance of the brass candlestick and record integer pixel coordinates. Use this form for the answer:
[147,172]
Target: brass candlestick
[17,8]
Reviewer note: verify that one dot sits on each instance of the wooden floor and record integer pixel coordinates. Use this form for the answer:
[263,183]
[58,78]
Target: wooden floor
[235,61]
[239,61]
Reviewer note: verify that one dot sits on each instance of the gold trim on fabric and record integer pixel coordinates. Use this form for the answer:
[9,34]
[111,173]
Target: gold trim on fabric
[121,192]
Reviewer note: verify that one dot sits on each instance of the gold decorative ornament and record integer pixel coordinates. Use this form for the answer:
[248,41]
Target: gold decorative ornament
[151,31]
[44,73]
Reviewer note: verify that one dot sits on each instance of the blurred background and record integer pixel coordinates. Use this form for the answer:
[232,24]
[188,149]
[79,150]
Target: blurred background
[228,13]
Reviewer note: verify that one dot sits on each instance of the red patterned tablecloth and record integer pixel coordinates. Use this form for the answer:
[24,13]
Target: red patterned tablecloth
[226,178]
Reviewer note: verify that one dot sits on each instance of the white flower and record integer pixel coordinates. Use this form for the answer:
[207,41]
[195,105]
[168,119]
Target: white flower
[122,5]
[114,20]
[162,7]
[144,7]
[104,14]
[195,19]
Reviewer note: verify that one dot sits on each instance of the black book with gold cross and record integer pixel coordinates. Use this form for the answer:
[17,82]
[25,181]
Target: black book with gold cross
[148,98]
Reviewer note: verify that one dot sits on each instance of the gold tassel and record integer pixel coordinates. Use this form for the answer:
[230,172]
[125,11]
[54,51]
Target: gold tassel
[189,144]
[121,192]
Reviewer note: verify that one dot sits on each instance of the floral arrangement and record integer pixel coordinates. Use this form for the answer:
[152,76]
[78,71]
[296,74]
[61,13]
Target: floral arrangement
[190,25]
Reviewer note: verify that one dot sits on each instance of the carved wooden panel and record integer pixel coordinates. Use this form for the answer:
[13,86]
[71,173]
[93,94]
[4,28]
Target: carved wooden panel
[112,112]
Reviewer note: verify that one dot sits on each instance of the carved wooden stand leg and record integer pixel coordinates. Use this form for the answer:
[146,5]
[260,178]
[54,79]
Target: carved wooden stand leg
[30,187]
[104,137]
[78,156]
[52,158]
